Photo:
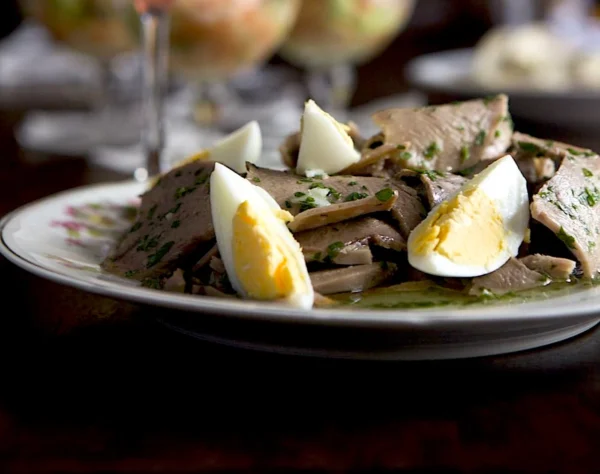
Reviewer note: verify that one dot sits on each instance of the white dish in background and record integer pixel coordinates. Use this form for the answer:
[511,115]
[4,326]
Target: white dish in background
[65,237]
[449,72]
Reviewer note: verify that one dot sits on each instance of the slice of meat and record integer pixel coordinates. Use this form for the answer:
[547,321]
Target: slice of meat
[347,243]
[569,205]
[512,276]
[526,146]
[448,137]
[555,267]
[174,223]
[318,217]
[176,282]
[441,186]
[351,279]
[292,191]
[290,147]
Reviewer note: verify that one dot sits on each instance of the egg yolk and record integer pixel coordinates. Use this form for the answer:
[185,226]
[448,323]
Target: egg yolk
[467,230]
[265,264]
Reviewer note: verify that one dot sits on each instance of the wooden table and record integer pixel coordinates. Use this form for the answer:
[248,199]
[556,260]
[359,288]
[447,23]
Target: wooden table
[93,385]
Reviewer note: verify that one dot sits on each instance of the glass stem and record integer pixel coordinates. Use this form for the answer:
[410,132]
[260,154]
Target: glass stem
[155,33]
[332,89]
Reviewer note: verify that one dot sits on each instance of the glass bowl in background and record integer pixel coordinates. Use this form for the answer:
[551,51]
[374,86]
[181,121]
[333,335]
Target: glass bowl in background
[332,36]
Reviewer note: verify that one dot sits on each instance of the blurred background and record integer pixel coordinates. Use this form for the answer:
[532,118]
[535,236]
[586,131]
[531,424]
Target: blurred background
[70,69]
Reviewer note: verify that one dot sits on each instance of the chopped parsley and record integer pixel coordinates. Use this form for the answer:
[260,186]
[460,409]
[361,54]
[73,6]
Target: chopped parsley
[175,224]
[569,240]
[151,211]
[130,273]
[304,180]
[401,147]
[147,243]
[202,179]
[480,138]
[489,98]
[299,194]
[356,196]
[256,179]
[587,173]
[352,183]
[135,227]
[465,154]
[574,152]
[466,171]
[529,147]
[589,153]
[308,203]
[591,245]
[497,134]
[151,283]
[334,249]
[405,155]
[160,253]
[592,197]
[178,174]
[183,191]
[385,194]
[317,256]
[549,143]
[432,150]
[288,204]
[364,187]
[173,210]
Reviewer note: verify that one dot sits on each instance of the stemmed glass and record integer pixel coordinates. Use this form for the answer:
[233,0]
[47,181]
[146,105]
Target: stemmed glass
[207,43]
[332,36]
[99,29]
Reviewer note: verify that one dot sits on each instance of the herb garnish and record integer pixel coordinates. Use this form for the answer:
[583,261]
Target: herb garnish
[182,191]
[480,138]
[405,155]
[334,249]
[160,253]
[352,183]
[385,194]
[432,150]
[135,227]
[356,196]
[130,273]
[256,179]
[175,224]
[317,256]
[299,194]
[569,240]
[497,134]
[587,173]
[147,243]
[465,154]
[151,211]
[178,174]
[529,147]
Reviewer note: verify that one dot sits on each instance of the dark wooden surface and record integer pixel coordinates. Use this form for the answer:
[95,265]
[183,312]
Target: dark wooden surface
[89,384]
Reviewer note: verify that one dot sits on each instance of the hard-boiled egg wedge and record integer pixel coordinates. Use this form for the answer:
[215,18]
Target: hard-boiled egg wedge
[262,259]
[325,146]
[477,230]
[234,150]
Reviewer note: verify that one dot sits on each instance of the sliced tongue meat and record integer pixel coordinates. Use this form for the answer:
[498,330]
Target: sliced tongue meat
[174,223]
[555,267]
[352,195]
[348,243]
[512,276]
[351,279]
[446,137]
[569,205]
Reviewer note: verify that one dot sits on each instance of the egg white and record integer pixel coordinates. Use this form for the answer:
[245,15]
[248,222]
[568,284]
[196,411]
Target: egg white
[237,148]
[227,192]
[504,184]
[325,146]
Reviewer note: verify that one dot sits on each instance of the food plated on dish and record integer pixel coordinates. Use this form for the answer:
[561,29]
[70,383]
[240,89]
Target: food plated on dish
[446,205]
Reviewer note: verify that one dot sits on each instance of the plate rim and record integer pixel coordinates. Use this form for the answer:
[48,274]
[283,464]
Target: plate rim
[442,318]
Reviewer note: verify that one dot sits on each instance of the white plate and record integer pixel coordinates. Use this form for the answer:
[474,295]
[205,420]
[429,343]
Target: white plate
[64,238]
[448,72]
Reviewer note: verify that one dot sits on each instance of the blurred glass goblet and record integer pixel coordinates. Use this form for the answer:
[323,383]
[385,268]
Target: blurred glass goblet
[98,28]
[332,36]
